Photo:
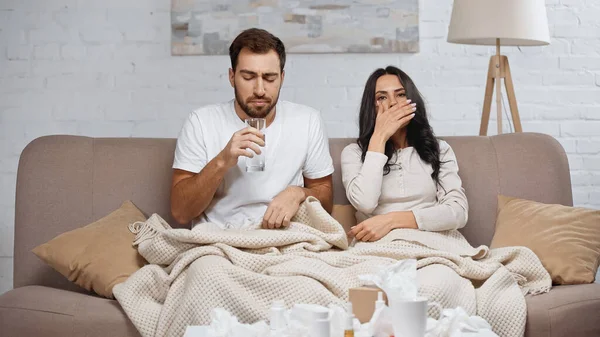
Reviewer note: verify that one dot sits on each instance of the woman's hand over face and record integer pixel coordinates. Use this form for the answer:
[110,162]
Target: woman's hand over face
[393,118]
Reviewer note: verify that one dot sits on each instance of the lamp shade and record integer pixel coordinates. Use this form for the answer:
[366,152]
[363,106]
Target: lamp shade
[514,22]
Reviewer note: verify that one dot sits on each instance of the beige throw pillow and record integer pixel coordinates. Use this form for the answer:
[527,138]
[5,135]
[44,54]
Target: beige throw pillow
[566,239]
[98,256]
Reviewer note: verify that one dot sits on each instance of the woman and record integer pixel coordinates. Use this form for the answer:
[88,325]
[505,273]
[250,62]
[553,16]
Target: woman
[398,174]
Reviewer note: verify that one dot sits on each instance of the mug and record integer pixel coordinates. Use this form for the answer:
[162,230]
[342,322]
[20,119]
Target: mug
[409,317]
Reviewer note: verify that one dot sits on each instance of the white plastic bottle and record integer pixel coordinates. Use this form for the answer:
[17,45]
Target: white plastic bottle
[376,323]
[379,303]
[321,326]
[349,326]
[277,318]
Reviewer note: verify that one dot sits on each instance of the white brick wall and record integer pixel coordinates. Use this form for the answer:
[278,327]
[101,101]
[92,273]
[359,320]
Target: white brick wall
[115,55]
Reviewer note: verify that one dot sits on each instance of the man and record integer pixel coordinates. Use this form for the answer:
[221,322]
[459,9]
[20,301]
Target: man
[210,183]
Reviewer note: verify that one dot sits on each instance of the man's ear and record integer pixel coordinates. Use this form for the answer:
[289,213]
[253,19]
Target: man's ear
[282,76]
[231,77]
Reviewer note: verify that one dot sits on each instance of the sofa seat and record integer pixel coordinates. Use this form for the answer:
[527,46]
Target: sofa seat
[565,311]
[44,311]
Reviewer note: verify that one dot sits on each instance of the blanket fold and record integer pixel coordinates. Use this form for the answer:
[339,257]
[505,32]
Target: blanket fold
[190,272]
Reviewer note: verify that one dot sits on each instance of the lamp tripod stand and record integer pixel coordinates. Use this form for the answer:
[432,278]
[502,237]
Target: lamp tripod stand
[498,70]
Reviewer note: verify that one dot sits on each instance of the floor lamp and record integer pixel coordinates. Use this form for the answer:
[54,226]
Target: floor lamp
[499,22]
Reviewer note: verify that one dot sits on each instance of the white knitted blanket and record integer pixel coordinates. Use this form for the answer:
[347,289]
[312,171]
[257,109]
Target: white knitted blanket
[243,271]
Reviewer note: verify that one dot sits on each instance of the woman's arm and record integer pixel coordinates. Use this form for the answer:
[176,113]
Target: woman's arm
[452,209]
[362,181]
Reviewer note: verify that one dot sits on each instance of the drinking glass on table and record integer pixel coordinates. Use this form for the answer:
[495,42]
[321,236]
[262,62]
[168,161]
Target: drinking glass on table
[256,163]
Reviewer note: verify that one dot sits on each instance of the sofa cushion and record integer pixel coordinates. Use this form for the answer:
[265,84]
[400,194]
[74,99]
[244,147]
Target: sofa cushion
[566,239]
[98,256]
[565,311]
[49,312]
[345,215]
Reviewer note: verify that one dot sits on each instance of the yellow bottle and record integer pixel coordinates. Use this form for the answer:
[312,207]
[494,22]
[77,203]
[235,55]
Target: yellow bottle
[349,328]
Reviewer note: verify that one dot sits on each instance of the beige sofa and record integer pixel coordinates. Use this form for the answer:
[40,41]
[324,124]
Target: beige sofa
[65,182]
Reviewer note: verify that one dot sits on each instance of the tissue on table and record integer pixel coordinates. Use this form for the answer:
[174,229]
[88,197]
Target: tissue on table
[380,324]
[452,323]
[298,323]
[223,324]
[457,323]
[399,280]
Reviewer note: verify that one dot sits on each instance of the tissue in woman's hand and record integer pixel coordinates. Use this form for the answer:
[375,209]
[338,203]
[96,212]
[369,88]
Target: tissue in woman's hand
[399,281]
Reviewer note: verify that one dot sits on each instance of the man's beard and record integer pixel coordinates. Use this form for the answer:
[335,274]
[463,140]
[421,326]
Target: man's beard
[256,111]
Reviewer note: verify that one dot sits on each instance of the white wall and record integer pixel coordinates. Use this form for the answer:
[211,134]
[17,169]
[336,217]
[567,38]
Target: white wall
[103,68]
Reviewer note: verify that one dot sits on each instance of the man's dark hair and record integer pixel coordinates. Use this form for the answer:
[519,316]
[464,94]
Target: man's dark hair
[258,41]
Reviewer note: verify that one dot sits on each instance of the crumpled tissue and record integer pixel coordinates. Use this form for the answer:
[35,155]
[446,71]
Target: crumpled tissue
[399,280]
[452,323]
[223,324]
[380,324]
[297,324]
[457,323]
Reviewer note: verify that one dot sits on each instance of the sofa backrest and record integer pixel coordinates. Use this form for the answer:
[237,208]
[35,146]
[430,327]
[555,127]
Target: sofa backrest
[65,182]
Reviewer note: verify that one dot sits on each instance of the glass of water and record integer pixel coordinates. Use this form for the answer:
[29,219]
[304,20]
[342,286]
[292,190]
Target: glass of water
[256,163]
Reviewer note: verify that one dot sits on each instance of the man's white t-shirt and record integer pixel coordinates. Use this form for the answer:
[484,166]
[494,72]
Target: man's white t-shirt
[296,146]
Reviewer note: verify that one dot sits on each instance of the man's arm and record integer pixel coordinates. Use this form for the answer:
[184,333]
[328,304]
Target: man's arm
[321,189]
[285,205]
[191,193]
[318,164]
